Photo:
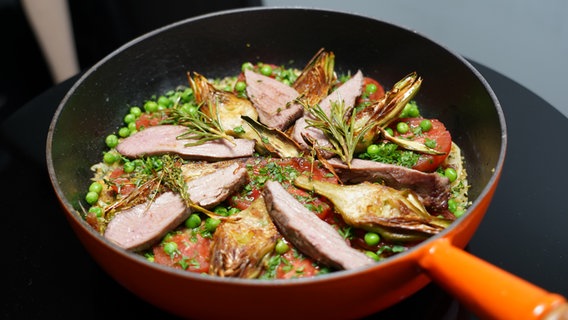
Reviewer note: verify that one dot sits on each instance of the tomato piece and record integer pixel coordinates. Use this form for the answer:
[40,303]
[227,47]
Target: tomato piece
[317,204]
[149,119]
[295,266]
[438,133]
[242,202]
[193,252]
[116,173]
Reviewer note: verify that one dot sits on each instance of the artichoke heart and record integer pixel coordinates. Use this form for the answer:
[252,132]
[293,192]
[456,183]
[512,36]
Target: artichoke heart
[240,245]
[226,105]
[397,215]
[317,77]
[273,141]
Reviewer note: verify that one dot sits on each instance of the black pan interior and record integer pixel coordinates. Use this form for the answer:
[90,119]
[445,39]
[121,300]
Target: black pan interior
[216,45]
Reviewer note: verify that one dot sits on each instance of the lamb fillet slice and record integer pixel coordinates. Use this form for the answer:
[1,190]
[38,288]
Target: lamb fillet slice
[211,189]
[273,100]
[141,226]
[157,140]
[432,188]
[308,233]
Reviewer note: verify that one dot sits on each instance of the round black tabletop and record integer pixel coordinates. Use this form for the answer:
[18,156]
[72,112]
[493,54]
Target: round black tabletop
[48,274]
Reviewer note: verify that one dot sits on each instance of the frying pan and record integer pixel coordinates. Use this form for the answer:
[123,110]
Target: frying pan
[216,45]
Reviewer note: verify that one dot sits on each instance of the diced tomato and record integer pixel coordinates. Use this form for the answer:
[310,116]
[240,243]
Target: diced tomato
[296,266]
[438,133]
[318,204]
[242,202]
[149,119]
[116,173]
[193,252]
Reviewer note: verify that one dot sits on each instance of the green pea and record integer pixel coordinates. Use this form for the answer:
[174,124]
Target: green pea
[124,132]
[452,205]
[91,197]
[426,125]
[266,70]
[247,66]
[211,224]
[129,118]
[373,150]
[170,248]
[281,247]
[151,106]
[410,110]
[164,101]
[389,131]
[132,127]
[240,86]
[111,141]
[186,95]
[451,174]
[232,211]
[220,210]
[129,166]
[372,238]
[98,211]
[402,127]
[370,88]
[136,111]
[110,158]
[193,221]
[96,187]
[372,255]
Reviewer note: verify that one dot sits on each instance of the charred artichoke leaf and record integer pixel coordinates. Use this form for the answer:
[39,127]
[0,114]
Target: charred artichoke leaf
[411,145]
[273,140]
[317,77]
[397,215]
[225,106]
[384,111]
[240,245]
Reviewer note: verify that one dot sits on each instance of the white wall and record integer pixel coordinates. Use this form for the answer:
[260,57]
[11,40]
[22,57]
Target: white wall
[525,40]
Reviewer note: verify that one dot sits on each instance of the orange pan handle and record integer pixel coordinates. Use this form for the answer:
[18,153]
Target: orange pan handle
[486,290]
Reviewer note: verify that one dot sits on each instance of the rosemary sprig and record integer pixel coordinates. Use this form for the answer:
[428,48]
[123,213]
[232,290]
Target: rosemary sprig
[201,126]
[340,128]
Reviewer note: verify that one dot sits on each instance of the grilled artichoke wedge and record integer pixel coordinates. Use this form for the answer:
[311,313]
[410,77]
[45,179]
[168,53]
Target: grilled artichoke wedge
[397,215]
[240,245]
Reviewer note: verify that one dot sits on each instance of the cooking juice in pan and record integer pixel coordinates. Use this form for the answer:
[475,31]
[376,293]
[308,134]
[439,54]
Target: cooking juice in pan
[277,173]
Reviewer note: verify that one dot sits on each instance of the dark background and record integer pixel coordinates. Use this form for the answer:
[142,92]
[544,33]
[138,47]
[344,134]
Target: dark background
[100,26]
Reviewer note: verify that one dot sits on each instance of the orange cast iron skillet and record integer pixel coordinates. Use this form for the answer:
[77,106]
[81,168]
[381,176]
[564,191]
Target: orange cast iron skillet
[216,45]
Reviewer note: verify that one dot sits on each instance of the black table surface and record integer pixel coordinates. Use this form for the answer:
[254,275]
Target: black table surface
[48,274]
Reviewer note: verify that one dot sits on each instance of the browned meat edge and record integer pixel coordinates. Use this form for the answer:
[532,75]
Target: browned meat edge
[432,188]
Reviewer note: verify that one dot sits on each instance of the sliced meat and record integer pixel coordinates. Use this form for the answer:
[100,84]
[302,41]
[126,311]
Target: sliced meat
[163,139]
[141,226]
[432,188]
[348,93]
[211,189]
[311,235]
[273,100]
